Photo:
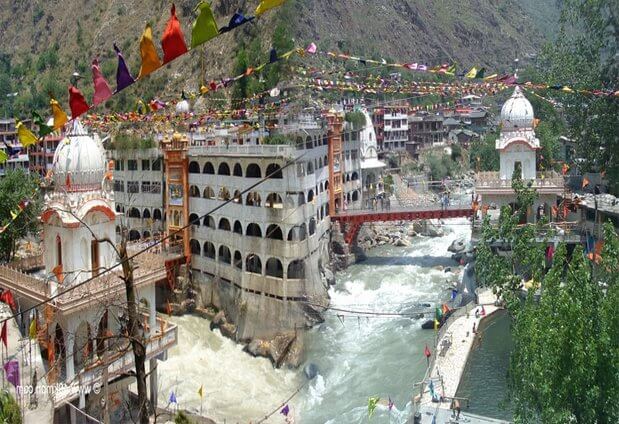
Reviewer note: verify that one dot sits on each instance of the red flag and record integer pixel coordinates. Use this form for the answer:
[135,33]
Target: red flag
[3,335]
[427,352]
[173,40]
[102,88]
[7,297]
[77,102]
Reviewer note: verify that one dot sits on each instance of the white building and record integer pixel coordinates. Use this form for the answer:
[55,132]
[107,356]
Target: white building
[371,167]
[517,146]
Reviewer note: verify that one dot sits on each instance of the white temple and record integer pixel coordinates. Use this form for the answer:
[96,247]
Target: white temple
[371,167]
[518,146]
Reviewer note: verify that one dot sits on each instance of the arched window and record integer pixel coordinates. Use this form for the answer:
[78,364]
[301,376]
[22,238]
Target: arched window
[223,169]
[238,260]
[224,224]
[134,235]
[355,176]
[310,196]
[308,142]
[58,251]
[253,171]
[274,200]
[208,168]
[118,208]
[194,219]
[224,194]
[146,214]
[194,191]
[118,229]
[238,227]
[274,268]
[310,167]
[312,226]
[194,245]
[322,212]
[326,185]
[134,213]
[301,199]
[253,199]
[208,221]
[274,232]
[224,255]
[209,250]
[355,195]
[253,264]
[208,193]
[297,233]
[319,162]
[194,167]
[238,170]
[296,269]
[238,198]
[253,230]
[156,214]
[274,171]
[146,234]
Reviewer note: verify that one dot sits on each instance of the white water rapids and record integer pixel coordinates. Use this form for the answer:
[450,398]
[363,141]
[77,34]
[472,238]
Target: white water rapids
[356,359]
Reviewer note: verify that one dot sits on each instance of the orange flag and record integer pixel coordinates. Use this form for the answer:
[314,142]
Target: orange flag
[150,58]
[58,273]
[173,40]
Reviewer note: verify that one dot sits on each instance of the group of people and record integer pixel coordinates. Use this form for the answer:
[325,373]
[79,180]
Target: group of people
[379,201]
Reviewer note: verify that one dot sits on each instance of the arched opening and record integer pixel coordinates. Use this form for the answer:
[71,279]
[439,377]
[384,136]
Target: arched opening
[194,246]
[134,213]
[300,199]
[238,198]
[208,221]
[146,214]
[224,255]
[310,196]
[238,227]
[274,232]
[310,167]
[59,350]
[156,214]
[208,193]
[296,270]
[224,194]
[58,251]
[194,167]
[274,268]
[354,176]
[118,208]
[297,233]
[355,195]
[208,168]
[253,171]
[326,185]
[194,191]
[208,250]
[274,171]
[118,229]
[223,169]
[308,142]
[347,197]
[347,178]
[253,230]
[102,332]
[319,162]
[224,224]
[82,346]
[238,260]
[194,219]
[253,199]
[134,235]
[253,264]
[238,170]
[274,200]
[312,226]
[146,234]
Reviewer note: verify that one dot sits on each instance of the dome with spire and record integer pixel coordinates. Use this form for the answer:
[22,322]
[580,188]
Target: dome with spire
[79,161]
[517,112]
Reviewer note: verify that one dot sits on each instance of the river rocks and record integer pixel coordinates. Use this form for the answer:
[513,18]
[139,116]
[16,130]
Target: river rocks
[310,371]
[284,348]
[457,246]
[401,243]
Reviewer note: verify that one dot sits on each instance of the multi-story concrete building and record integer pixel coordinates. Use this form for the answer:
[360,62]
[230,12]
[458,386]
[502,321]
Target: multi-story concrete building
[391,126]
[424,129]
[259,257]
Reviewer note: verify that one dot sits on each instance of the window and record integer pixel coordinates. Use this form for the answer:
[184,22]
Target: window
[94,257]
[145,165]
[118,164]
[156,165]
[133,186]
[146,187]
[155,187]
[132,165]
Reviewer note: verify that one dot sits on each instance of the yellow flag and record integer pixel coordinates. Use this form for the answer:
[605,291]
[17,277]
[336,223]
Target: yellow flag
[150,58]
[490,77]
[436,324]
[471,74]
[201,392]
[14,214]
[268,5]
[3,156]
[25,136]
[33,329]
[60,117]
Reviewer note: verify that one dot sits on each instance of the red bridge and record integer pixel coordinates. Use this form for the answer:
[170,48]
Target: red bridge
[351,220]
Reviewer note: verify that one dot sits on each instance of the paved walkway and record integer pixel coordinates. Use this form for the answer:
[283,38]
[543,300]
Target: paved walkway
[452,353]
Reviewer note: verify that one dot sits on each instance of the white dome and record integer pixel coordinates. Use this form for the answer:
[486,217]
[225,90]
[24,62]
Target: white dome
[183,107]
[517,112]
[79,155]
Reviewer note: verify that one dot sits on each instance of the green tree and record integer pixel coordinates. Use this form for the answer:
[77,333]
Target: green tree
[483,155]
[15,187]
[9,409]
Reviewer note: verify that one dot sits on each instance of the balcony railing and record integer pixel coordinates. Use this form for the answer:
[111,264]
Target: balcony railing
[542,180]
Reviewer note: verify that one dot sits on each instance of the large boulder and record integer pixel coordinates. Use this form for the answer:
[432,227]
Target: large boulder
[457,246]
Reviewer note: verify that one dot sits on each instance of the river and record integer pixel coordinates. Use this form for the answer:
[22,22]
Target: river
[356,358]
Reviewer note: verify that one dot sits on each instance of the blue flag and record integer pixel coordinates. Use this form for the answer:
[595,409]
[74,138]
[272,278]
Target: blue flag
[172,398]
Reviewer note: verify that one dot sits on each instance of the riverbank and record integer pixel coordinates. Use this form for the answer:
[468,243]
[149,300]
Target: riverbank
[449,358]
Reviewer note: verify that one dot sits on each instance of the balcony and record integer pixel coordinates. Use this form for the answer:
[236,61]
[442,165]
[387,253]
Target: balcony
[492,183]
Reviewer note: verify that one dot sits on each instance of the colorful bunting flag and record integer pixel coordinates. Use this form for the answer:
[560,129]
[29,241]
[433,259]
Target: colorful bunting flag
[472,73]
[25,136]
[372,402]
[77,102]
[150,58]
[7,297]
[201,391]
[173,40]
[123,76]
[311,49]
[11,370]
[480,73]
[32,331]
[3,335]
[205,26]
[172,398]
[285,410]
[60,117]
[237,20]
[44,129]
[390,404]
[57,271]
[266,5]
[427,352]
[3,158]
[102,88]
